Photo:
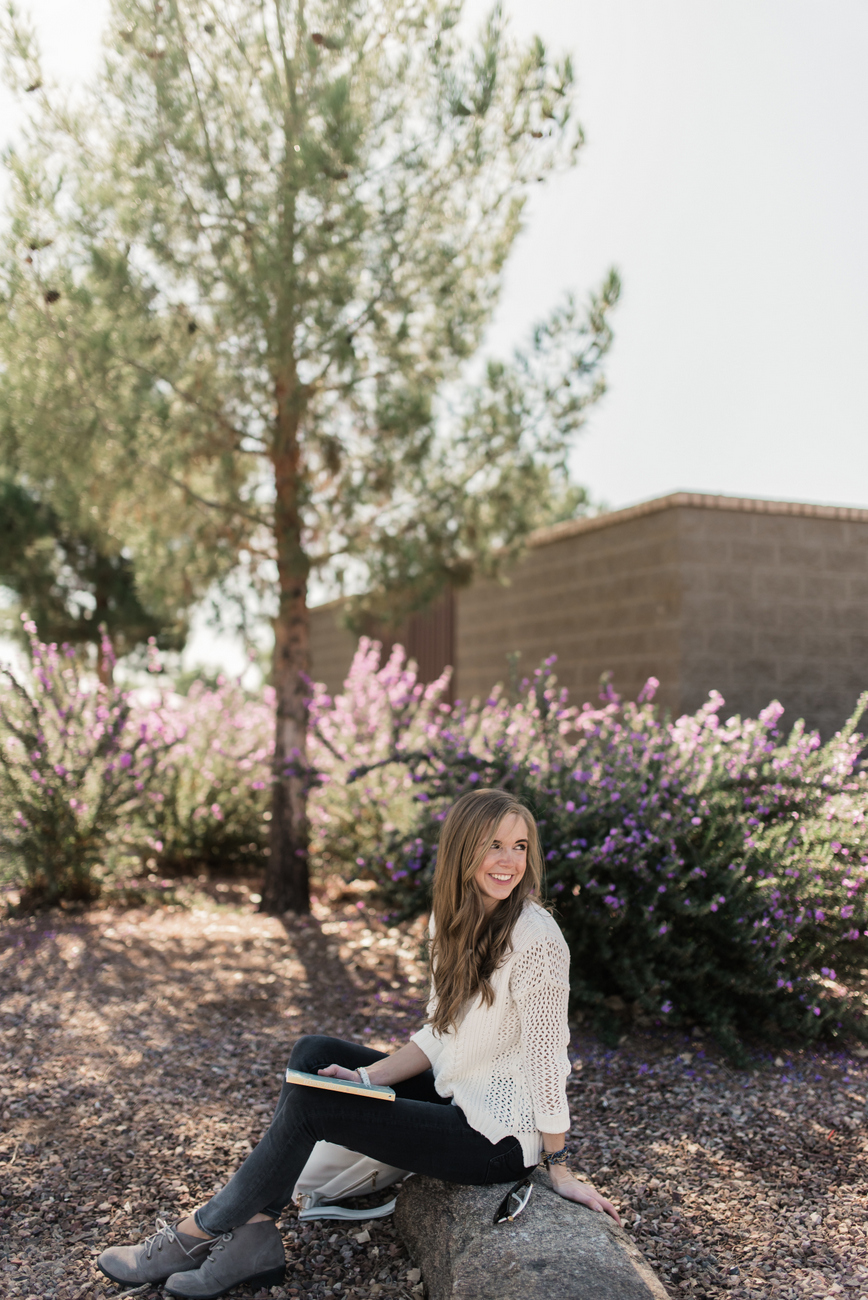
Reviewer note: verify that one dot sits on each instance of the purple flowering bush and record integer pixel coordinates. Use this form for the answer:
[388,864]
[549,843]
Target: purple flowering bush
[703,871]
[97,782]
[75,765]
[362,798]
[209,806]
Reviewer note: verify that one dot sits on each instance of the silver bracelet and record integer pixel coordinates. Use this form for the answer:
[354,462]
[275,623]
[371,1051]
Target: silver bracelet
[364,1076]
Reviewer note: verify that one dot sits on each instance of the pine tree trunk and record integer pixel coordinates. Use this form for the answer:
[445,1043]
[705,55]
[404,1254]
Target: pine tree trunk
[286,878]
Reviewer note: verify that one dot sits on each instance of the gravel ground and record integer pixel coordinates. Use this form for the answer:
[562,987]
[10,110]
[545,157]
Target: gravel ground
[143,1049]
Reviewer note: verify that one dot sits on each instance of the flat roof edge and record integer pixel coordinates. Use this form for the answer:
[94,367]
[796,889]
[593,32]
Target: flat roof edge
[695,501]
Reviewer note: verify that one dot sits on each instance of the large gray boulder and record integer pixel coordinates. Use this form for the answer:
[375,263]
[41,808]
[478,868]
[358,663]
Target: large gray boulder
[554,1250]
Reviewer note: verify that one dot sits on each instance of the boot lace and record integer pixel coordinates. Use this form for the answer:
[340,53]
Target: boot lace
[164,1233]
[219,1243]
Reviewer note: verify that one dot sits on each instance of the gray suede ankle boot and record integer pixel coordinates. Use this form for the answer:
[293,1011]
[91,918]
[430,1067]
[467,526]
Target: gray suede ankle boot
[252,1253]
[165,1252]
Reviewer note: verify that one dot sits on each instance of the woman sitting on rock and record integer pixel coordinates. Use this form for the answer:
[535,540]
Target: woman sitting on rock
[481,1093]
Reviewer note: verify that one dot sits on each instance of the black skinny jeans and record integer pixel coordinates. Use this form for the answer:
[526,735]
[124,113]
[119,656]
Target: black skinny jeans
[419,1130]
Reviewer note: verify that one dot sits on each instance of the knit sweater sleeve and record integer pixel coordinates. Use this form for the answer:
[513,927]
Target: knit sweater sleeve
[539,982]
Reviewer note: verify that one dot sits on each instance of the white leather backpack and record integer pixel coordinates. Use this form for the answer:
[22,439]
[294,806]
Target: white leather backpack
[334,1173]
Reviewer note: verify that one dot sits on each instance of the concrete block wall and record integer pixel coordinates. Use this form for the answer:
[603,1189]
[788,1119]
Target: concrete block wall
[756,599]
[774,607]
[601,599]
[428,638]
[332,646]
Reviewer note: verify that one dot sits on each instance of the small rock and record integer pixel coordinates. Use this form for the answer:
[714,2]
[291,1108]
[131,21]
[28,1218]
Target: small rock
[363,1236]
[414,1275]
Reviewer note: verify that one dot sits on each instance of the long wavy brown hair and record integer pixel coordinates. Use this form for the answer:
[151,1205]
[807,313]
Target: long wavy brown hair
[469,945]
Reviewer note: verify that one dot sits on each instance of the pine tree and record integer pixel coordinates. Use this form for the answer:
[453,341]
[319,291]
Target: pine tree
[246,288]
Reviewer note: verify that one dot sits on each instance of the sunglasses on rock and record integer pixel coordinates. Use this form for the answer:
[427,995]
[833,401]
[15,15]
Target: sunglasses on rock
[514,1202]
[518,1196]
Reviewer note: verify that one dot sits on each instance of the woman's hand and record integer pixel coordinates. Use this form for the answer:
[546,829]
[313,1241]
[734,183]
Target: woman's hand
[338,1072]
[568,1186]
[406,1063]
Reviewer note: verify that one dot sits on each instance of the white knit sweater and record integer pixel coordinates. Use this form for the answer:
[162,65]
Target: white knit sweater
[506,1065]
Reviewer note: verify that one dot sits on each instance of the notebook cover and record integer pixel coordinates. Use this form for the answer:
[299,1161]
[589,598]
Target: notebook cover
[339,1085]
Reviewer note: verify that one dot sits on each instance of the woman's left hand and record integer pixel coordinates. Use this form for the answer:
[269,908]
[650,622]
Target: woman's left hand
[338,1072]
[568,1186]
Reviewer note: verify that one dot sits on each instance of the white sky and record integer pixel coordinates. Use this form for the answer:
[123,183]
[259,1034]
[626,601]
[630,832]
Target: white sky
[726,176]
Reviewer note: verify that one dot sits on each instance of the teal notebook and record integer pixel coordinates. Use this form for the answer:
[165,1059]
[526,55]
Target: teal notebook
[339,1085]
